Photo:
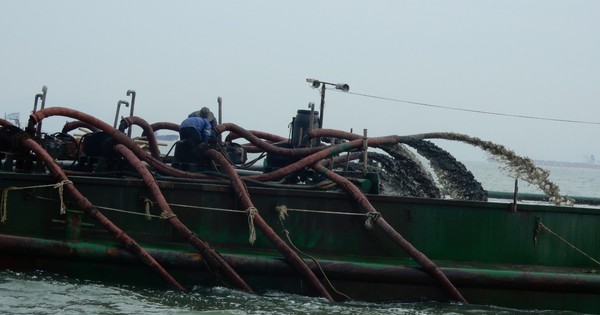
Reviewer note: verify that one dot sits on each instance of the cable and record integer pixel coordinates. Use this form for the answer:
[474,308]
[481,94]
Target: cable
[470,110]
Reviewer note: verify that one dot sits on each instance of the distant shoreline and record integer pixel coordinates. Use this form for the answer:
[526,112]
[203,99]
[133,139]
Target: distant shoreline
[567,164]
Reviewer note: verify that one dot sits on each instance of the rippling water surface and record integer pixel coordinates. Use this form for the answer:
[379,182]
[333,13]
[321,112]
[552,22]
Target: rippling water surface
[42,293]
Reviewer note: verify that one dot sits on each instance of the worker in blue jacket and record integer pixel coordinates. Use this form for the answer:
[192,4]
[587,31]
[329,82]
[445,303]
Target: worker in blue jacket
[196,128]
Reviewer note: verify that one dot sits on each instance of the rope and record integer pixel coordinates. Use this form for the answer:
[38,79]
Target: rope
[282,211]
[57,185]
[167,215]
[251,213]
[63,208]
[540,224]
[108,208]
[128,212]
[371,217]
[205,208]
[288,209]
[148,205]
[327,212]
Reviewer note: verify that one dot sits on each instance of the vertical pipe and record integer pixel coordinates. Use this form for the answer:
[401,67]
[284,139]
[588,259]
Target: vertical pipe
[132,93]
[347,159]
[118,110]
[300,131]
[365,151]
[311,123]
[35,101]
[43,105]
[220,108]
[322,106]
[513,206]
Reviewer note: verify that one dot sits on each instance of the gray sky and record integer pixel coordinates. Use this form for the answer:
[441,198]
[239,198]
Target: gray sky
[533,58]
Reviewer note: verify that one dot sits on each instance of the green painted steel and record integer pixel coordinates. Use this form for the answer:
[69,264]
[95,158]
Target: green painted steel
[483,246]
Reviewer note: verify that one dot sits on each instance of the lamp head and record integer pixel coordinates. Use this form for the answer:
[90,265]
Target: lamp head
[342,87]
[314,83]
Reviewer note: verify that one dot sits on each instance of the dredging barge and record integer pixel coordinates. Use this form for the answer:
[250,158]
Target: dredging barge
[309,221]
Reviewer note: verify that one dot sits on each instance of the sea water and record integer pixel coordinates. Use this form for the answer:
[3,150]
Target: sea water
[43,293]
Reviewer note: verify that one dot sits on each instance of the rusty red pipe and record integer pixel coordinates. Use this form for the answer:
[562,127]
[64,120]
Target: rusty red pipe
[72,125]
[164,126]
[38,116]
[265,146]
[250,148]
[5,123]
[361,199]
[127,122]
[287,252]
[209,253]
[130,244]
[429,266]
[261,134]
[324,153]
[339,134]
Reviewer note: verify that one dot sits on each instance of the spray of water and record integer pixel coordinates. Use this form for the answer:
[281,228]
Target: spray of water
[456,179]
[411,173]
[399,177]
[519,167]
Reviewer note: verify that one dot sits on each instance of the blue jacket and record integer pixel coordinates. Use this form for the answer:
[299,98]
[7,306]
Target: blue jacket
[202,127]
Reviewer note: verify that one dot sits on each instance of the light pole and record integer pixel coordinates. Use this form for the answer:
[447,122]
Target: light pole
[316,83]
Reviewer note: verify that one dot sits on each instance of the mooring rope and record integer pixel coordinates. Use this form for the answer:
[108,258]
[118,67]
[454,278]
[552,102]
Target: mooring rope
[58,186]
[371,217]
[327,212]
[167,215]
[252,211]
[148,204]
[282,211]
[128,212]
[205,208]
[541,225]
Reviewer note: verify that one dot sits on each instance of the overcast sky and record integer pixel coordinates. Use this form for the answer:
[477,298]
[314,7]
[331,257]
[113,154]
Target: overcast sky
[529,58]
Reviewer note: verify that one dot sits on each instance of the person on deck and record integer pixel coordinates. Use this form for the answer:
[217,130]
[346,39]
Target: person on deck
[205,113]
[208,115]
[195,127]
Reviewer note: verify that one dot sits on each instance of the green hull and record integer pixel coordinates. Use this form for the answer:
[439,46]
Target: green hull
[491,254]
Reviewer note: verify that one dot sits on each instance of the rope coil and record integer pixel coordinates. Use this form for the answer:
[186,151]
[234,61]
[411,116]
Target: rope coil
[58,186]
[166,215]
[282,210]
[252,211]
[371,217]
[147,205]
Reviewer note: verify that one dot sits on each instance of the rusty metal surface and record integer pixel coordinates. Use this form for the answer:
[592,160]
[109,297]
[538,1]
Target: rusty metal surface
[89,208]
[268,266]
